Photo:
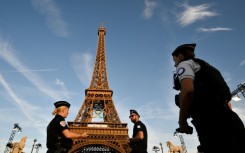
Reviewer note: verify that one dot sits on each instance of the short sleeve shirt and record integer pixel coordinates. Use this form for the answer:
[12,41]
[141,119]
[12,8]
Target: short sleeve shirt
[54,131]
[187,69]
[139,126]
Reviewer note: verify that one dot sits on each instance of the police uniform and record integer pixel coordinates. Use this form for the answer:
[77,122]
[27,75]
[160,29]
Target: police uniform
[187,69]
[139,146]
[56,141]
[215,123]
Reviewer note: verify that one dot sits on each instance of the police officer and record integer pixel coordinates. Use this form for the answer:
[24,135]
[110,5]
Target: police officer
[138,142]
[204,96]
[59,137]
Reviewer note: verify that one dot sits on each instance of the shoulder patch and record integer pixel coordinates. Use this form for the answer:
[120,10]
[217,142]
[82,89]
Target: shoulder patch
[181,71]
[63,123]
[138,126]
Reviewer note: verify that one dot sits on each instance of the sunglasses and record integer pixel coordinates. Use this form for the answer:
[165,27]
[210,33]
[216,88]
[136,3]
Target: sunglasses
[131,116]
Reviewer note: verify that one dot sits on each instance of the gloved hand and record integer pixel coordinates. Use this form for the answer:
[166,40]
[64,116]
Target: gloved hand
[130,141]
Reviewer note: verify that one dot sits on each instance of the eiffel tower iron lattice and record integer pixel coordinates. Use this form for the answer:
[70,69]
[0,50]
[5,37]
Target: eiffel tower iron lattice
[108,135]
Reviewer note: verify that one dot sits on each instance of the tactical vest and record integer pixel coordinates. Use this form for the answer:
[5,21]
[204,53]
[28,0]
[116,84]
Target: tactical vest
[56,141]
[209,85]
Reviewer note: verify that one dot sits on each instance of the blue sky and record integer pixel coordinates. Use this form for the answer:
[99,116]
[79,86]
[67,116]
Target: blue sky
[48,47]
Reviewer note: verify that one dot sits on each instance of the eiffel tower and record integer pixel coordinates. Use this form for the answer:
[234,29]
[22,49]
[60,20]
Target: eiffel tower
[108,135]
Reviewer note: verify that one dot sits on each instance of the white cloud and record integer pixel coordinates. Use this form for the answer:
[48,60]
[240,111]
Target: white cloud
[18,101]
[30,110]
[242,63]
[65,92]
[38,70]
[58,82]
[213,29]
[149,9]
[53,16]
[7,54]
[26,108]
[192,14]
[83,67]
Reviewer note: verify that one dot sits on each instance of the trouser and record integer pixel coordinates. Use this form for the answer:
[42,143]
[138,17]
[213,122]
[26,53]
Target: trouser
[51,151]
[220,131]
[137,149]
[57,151]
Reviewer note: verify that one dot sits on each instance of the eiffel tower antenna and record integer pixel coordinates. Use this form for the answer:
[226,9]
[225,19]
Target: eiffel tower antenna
[98,115]
[102,24]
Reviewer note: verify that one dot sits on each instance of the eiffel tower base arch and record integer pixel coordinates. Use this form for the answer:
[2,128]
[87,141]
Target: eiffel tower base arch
[98,147]
[111,139]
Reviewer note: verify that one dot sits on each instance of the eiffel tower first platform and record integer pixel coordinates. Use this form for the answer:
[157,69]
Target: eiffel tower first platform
[108,135]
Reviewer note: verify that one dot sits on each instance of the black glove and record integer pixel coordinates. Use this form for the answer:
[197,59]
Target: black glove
[131,142]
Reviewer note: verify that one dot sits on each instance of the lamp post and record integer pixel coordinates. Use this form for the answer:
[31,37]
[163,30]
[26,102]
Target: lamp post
[35,140]
[181,140]
[161,146]
[9,145]
[240,89]
[155,148]
[37,146]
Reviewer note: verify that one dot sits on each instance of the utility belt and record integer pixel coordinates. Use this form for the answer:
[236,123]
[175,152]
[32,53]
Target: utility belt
[208,105]
[221,99]
[211,99]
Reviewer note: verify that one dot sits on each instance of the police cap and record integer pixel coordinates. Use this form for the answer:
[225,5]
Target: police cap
[184,47]
[134,111]
[61,103]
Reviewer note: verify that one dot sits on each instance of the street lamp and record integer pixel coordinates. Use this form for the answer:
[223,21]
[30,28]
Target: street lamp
[240,89]
[37,146]
[161,146]
[155,148]
[177,134]
[9,145]
[35,140]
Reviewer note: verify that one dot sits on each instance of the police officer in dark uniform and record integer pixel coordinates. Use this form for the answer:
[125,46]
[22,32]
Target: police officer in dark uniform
[138,142]
[205,96]
[59,137]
